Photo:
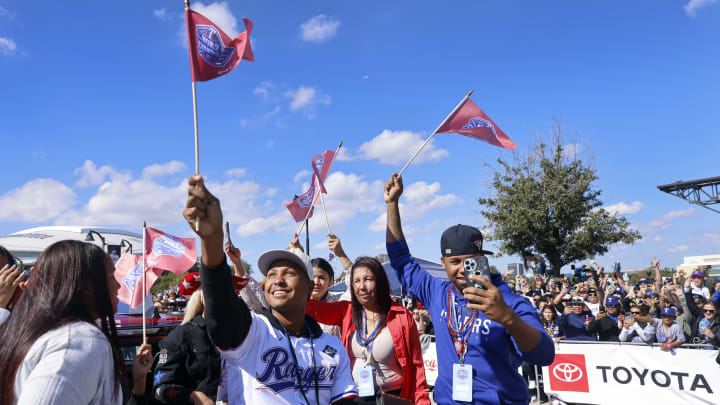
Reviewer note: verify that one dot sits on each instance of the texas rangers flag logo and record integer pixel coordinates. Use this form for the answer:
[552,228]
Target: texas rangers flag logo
[167,245]
[477,122]
[211,47]
[306,199]
[132,277]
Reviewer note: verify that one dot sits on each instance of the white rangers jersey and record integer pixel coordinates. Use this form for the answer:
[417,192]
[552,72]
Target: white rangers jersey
[262,369]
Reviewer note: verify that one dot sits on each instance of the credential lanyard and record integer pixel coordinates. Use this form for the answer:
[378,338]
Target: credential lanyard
[365,340]
[297,371]
[460,333]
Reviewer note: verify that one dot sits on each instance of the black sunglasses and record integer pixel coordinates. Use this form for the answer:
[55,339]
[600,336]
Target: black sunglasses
[592,295]
[636,313]
[709,311]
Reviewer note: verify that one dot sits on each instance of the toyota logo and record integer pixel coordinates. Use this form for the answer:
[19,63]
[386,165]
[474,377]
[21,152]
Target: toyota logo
[567,372]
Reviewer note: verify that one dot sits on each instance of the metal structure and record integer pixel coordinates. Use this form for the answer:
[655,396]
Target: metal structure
[703,192]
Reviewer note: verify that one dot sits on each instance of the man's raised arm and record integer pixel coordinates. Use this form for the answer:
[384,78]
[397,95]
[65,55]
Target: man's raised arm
[393,190]
[228,318]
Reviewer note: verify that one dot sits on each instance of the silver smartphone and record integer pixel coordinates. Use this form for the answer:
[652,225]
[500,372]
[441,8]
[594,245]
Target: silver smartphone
[476,265]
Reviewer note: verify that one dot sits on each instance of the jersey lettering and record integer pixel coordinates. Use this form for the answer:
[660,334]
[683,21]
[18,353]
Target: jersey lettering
[279,373]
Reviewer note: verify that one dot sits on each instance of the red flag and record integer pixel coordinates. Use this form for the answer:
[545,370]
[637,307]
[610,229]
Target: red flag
[128,273]
[212,52]
[167,252]
[321,167]
[300,206]
[470,120]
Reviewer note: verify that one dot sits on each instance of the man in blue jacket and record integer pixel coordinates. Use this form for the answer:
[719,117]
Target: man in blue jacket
[482,335]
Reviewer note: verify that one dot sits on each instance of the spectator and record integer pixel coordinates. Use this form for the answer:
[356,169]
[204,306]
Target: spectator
[549,322]
[289,340]
[11,277]
[253,294]
[668,333]
[59,343]
[574,321]
[707,328]
[637,327]
[593,301]
[608,324]
[697,279]
[191,373]
[377,334]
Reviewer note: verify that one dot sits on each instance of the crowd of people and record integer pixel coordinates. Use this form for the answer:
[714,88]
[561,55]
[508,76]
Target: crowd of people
[595,305]
[287,339]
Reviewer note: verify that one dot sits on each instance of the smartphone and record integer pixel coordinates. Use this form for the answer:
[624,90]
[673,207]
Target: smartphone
[477,265]
[617,267]
[227,232]
[602,308]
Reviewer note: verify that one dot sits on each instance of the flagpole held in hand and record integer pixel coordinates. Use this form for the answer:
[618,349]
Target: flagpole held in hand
[144,321]
[433,134]
[325,212]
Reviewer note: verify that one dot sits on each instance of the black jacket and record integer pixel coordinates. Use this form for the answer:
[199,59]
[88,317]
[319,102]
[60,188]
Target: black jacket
[193,364]
[714,328]
[606,328]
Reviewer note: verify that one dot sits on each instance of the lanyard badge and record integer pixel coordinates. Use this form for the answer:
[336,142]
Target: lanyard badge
[460,333]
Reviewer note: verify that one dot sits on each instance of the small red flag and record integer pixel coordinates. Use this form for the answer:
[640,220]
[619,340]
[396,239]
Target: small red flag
[166,252]
[470,120]
[321,167]
[300,206]
[128,273]
[212,52]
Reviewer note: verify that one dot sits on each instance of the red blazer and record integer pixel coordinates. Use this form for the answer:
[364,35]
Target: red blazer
[405,338]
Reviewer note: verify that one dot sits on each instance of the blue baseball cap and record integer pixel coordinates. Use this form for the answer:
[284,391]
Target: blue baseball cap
[461,240]
[612,301]
[642,281]
[668,311]
[650,294]
[677,308]
[697,273]
[619,290]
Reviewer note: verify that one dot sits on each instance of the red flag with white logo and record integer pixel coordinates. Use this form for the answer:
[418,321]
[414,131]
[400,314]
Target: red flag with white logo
[166,252]
[300,206]
[321,167]
[470,120]
[212,52]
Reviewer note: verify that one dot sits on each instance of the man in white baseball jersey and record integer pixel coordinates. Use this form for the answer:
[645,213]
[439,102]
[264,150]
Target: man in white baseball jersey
[277,355]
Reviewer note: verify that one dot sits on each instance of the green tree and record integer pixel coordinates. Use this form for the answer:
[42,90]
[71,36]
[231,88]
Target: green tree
[546,203]
[382,257]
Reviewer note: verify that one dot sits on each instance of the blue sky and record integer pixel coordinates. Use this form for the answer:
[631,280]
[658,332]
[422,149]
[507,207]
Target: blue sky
[97,129]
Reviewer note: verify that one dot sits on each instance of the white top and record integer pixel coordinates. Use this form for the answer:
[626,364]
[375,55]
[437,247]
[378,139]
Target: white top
[261,370]
[72,364]
[253,295]
[4,315]
[701,291]
[388,373]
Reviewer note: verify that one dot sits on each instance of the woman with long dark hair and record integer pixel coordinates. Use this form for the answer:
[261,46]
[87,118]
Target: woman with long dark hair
[379,335]
[53,351]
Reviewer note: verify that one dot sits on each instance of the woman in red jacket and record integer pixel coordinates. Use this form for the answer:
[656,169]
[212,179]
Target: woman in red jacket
[379,335]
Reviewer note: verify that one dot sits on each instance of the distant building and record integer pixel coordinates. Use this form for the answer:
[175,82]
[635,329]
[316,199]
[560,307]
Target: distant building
[691,263]
[518,267]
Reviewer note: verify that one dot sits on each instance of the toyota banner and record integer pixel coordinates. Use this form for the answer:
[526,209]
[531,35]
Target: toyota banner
[611,373]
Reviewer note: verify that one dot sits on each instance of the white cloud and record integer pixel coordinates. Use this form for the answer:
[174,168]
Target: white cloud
[263,89]
[417,198]
[658,239]
[220,14]
[306,98]
[693,5]
[239,172]
[38,200]
[301,174]
[712,238]
[348,195]
[7,46]
[623,208]
[319,28]
[161,14]
[678,249]
[664,221]
[164,169]
[91,175]
[365,77]
[396,147]
[345,155]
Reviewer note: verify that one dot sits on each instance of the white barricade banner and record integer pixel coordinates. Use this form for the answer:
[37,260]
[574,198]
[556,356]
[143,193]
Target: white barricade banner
[430,361]
[610,373]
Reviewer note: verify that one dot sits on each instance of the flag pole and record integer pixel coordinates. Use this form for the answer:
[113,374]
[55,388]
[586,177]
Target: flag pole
[144,321]
[195,115]
[325,212]
[435,131]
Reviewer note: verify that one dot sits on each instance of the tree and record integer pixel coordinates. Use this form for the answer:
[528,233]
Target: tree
[168,279]
[546,203]
[382,257]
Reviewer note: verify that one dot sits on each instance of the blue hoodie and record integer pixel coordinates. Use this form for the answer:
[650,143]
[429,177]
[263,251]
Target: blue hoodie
[572,326]
[492,351]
